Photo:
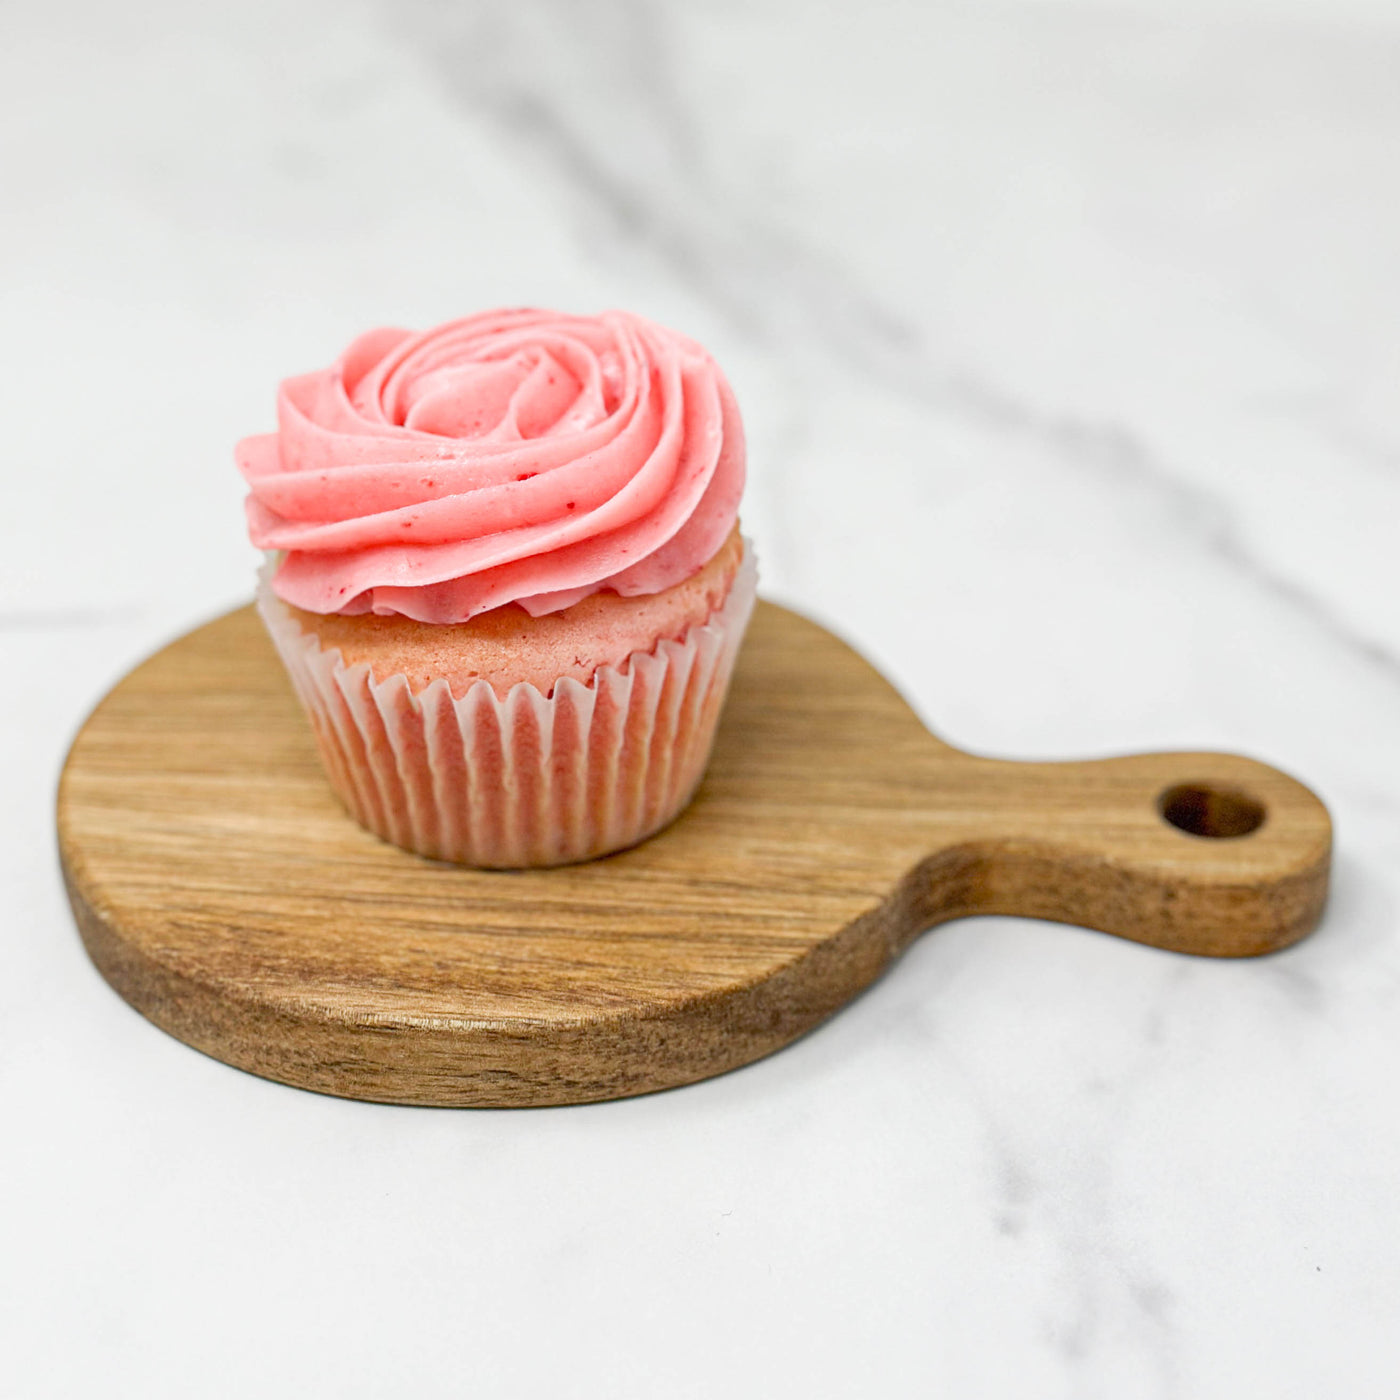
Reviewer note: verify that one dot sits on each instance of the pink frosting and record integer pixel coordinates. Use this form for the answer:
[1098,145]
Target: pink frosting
[515,456]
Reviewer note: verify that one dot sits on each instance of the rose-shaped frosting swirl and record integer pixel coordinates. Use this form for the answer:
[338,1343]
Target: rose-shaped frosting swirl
[514,456]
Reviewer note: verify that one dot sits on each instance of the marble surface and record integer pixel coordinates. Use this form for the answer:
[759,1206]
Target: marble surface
[1066,335]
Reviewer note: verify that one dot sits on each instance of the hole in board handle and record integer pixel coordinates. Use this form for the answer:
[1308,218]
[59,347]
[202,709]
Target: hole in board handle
[1200,809]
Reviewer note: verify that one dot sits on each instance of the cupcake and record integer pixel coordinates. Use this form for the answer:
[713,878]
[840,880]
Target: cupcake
[506,578]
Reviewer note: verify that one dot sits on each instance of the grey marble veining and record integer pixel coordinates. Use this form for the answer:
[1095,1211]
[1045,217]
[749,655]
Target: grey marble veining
[592,96]
[1066,339]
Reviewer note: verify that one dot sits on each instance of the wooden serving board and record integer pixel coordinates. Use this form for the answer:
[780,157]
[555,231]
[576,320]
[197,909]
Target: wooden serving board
[223,892]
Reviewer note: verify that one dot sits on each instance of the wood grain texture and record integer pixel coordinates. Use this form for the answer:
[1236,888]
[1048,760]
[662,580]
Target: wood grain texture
[224,893]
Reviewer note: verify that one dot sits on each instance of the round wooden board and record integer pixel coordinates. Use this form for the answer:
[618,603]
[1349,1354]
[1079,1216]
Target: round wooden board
[224,893]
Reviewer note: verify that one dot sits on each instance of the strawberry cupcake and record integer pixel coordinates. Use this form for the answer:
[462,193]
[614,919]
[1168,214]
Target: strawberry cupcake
[506,578]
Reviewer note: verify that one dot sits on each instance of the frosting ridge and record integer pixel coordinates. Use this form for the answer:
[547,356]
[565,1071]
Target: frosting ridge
[521,456]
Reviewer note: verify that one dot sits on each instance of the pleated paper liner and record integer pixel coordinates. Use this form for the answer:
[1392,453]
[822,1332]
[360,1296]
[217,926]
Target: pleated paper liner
[530,779]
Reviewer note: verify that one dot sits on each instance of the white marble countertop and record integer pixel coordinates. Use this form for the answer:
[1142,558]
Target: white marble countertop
[1067,336]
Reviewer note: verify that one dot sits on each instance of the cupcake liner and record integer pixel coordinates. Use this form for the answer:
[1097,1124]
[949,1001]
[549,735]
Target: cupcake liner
[530,779]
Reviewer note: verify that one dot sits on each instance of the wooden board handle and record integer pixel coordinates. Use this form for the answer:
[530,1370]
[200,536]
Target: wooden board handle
[1202,853]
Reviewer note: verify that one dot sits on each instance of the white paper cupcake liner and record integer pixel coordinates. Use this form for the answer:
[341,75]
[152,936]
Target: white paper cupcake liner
[527,780]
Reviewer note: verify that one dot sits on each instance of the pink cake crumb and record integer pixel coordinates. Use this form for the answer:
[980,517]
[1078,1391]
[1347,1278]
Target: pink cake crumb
[507,645]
